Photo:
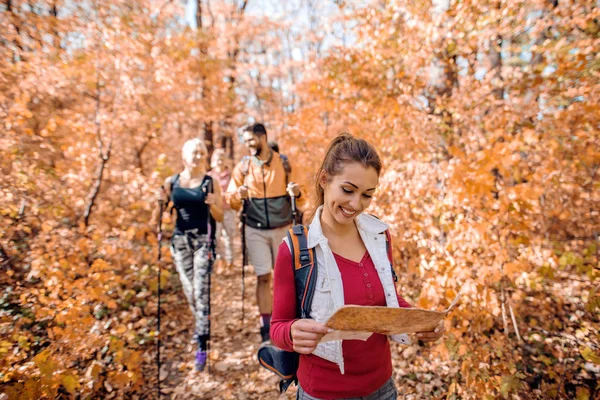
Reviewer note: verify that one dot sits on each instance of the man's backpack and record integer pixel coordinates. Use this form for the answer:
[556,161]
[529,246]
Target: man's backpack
[285,363]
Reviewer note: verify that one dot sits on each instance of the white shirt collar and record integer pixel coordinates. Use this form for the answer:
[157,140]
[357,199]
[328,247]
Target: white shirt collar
[364,222]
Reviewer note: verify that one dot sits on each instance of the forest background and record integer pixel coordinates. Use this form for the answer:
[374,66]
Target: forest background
[485,114]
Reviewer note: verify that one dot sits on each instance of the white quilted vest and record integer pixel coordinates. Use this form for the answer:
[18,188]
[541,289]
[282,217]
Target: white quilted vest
[329,293]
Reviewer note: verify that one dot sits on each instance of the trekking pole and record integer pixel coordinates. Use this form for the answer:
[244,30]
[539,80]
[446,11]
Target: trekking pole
[244,253]
[211,255]
[294,210]
[161,206]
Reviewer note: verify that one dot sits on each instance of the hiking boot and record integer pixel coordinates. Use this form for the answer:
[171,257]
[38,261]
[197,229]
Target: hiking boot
[200,360]
[264,334]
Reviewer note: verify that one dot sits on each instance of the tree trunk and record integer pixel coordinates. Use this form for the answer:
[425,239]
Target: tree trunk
[17,54]
[54,24]
[104,156]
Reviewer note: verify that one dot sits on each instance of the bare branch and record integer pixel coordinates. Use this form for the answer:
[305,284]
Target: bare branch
[514,321]
[97,184]
[243,7]
[139,152]
[210,13]
[504,318]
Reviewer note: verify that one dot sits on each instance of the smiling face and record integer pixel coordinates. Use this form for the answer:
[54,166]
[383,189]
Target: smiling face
[349,193]
[193,155]
[254,143]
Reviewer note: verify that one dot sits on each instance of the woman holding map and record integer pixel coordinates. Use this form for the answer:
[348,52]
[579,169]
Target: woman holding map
[352,268]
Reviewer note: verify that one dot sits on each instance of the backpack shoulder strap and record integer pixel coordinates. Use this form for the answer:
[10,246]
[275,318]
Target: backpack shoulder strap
[208,183]
[287,167]
[388,248]
[305,268]
[173,180]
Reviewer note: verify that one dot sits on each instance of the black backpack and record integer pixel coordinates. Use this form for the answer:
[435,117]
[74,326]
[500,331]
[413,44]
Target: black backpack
[285,363]
[207,184]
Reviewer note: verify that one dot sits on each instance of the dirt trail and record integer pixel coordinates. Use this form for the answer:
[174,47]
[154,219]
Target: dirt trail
[234,370]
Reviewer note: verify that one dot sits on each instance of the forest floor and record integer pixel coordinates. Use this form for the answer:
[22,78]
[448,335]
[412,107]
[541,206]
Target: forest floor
[234,370]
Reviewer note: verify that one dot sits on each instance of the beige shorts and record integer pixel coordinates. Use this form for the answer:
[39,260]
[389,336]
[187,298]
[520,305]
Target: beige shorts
[262,246]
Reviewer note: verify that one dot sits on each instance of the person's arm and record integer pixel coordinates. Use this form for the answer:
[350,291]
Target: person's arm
[301,197]
[231,195]
[165,190]
[288,332]
[284,300]
[215,202]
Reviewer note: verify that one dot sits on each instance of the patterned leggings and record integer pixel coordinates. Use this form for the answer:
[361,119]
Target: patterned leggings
[193,260]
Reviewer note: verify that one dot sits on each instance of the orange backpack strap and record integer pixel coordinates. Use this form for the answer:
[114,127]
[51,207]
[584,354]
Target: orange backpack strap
[305,268]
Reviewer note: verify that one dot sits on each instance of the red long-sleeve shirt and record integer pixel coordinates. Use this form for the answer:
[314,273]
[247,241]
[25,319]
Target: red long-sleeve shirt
[368,364]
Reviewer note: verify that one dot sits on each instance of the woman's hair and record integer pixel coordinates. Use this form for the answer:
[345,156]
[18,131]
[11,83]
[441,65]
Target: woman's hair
[190,146]
[343,150]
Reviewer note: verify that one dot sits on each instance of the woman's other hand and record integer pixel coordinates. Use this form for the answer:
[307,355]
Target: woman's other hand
[433,335]
[306,335]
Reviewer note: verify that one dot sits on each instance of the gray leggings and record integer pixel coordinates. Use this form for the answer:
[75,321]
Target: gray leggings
[386,392]
[193,261]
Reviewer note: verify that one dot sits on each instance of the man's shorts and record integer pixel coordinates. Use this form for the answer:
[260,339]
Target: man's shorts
[262,246]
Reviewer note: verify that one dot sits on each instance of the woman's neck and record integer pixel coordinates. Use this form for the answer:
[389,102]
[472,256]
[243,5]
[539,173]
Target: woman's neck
[330,226]
[196,172]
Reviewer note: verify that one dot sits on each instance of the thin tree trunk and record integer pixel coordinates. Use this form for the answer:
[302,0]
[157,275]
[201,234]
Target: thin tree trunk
[96,189]
[233,55]
[204,93]
[104,156]
[54,24]
[139,153]
[17,54]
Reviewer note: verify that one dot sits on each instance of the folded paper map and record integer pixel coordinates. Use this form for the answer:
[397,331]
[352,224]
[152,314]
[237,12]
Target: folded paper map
[359,322]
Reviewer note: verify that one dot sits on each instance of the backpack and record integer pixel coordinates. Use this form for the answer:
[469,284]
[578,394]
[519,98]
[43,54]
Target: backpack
[285,363]
[209,189]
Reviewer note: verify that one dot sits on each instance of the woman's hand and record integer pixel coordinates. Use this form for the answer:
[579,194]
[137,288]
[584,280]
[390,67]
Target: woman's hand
[243,192]
[293,189]
[306,335]
[434,335]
